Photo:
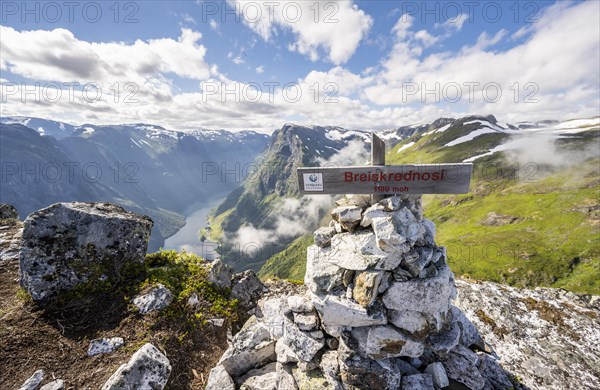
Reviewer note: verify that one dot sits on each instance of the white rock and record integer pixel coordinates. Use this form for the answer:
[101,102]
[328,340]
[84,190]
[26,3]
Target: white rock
[359,200]
[316,334]
[58,384]
[386,342]
[332,329]
[375,211]
[252,347]
[438,374]
[148,368]
[274,316]
[331,368]
[391,203]
[306,321]
[350,291]
[303,346]
[264,378]
[348,216]
[409,320]
[307,366]
[104,345]
[323,236]
[321,276]
[284,353]
[300,304]
[386,237]
[219,379]
[428,296]
[408,225]
[216,321]
[193,301]
[359,251]
[285,379]
[339,311]
[156,299]
[34,381]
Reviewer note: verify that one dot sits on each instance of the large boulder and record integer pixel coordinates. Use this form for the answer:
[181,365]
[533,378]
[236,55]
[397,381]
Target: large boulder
[67,244]
[148,368]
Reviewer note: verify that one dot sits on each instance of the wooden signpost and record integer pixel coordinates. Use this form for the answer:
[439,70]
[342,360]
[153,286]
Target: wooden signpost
[379,179]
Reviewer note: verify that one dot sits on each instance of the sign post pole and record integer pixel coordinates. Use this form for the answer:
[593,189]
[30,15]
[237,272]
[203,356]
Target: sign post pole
[377,159]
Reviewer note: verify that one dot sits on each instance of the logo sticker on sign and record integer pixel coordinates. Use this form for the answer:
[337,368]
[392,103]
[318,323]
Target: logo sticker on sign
[313,181]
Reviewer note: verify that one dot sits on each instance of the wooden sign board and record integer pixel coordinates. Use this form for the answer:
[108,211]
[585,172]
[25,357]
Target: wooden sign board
[386,180]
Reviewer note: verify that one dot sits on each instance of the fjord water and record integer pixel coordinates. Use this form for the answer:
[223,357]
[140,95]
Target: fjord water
[188,237]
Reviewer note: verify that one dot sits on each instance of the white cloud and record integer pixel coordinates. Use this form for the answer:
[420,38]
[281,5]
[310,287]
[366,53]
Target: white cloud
[59,55]
[213,24]
[336,27]
[260,69]
[455,23]
[564,78]
[187,18]
[426,38]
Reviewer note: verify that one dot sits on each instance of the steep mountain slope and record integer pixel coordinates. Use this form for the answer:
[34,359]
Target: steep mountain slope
[145,168]
[532,216]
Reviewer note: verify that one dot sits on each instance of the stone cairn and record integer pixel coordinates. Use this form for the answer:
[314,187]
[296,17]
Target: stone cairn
[378,314]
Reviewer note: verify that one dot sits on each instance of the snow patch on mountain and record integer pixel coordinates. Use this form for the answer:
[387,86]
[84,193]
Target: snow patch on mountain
[404,147]
[471,136]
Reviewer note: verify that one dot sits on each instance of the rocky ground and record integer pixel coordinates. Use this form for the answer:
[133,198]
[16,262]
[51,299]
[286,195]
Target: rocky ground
[542,338]
[548,338]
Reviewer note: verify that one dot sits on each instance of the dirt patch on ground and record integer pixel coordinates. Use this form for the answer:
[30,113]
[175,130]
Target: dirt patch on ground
[56,338]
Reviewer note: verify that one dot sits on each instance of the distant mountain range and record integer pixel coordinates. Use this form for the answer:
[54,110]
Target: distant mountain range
[533,198]
[145,168]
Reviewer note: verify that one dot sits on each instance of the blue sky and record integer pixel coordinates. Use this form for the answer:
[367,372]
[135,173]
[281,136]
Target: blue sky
[364,57]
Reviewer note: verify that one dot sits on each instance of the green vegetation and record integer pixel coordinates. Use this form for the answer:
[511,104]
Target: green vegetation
[289,263]
[185,274]
[182,273]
